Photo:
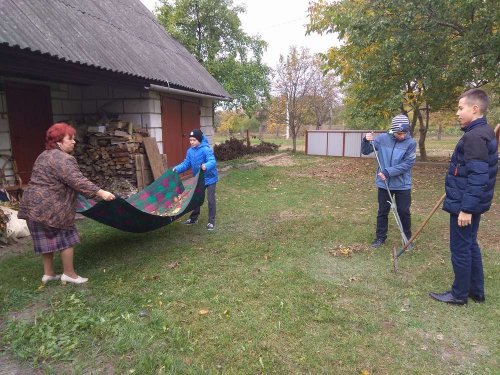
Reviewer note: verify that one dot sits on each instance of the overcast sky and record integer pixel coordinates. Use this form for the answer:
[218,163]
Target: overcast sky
[281,23]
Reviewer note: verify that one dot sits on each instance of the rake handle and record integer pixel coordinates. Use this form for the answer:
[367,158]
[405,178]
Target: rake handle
[436,206]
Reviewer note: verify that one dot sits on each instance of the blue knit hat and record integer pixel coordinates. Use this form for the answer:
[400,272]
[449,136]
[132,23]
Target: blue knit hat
[400,123]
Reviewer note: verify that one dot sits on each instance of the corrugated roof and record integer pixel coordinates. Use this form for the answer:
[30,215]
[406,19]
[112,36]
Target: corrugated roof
[118,35]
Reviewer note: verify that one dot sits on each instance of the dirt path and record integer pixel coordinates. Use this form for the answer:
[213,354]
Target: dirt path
[21,246]
[9,366]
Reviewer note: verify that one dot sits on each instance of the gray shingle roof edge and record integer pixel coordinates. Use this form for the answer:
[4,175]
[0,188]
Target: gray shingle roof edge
[119,36]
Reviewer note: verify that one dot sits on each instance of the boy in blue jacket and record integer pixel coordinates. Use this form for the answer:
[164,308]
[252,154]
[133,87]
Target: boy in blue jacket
[200,155]
[397,155]
[469,185]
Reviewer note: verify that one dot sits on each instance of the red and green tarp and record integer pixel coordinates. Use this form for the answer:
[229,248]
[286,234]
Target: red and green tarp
[162,202]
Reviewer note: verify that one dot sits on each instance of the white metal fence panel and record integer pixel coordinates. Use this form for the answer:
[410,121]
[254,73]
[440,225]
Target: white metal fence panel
[336,142]
[318,144]
[352,145]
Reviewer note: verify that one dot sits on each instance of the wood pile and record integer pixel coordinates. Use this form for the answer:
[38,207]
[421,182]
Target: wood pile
[109,159]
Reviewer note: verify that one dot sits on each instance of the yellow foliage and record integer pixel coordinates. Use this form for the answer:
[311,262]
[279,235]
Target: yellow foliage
[273,127]
[230,121]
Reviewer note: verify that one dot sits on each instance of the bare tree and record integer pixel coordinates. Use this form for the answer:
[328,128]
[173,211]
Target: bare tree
[325,94]
[294,82]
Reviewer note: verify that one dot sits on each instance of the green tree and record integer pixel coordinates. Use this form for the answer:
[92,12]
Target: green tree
[408,55]
[211,31]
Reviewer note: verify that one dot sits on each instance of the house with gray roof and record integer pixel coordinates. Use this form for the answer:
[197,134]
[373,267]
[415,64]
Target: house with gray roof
[67,59]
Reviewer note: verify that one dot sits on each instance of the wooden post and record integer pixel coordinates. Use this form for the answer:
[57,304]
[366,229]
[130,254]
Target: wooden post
[306,140]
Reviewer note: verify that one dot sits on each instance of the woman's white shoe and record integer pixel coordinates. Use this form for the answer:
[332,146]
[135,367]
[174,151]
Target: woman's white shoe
[79,280]
[47,278]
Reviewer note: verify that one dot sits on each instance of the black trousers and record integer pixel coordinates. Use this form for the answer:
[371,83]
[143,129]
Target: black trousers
[210,189]
[403,202]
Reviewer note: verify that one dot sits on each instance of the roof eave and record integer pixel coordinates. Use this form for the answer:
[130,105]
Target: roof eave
[171,90]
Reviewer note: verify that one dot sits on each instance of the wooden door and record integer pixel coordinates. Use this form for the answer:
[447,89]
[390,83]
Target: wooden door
[190,120]
[171,120]
[29,110]
[178,117]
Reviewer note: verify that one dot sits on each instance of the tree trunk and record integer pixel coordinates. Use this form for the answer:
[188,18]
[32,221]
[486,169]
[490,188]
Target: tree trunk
[414,122]
[261,131]
[440,131]
[423,127]
[198,33]
[293,133]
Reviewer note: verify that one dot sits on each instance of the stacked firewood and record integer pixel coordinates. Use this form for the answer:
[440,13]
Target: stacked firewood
[108,159]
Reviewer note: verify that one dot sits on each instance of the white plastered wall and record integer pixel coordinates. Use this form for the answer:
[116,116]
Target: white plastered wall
[141,108]
[207,119]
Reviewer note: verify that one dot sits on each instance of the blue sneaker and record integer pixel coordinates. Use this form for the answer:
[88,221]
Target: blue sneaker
[210,226]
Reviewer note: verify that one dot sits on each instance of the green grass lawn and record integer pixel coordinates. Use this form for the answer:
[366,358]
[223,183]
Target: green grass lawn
[286,284]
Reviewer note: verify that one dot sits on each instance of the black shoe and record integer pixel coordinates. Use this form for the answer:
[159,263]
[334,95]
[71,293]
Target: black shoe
[190,222]
[377,243]
[477,298]
[447,297]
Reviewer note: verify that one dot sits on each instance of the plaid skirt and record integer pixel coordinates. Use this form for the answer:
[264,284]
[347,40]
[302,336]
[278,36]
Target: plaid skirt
[48,240]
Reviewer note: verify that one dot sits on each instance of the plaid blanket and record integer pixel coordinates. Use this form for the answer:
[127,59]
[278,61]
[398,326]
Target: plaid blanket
[162,202]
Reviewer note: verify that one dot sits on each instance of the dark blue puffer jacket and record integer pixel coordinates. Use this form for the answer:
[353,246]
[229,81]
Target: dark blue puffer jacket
[470,181]
[396,159]
[195,157]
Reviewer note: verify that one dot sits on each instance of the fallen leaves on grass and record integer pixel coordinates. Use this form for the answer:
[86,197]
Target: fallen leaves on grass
[338,170]
[346,251]
[173,265]
[350,280]
[203,312]
[152,277]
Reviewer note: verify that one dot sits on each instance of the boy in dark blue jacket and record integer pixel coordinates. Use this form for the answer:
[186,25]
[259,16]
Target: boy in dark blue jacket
[200,155]
[397,154]
[469,185]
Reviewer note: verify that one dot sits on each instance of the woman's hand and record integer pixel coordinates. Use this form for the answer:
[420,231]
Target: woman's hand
[105,195]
